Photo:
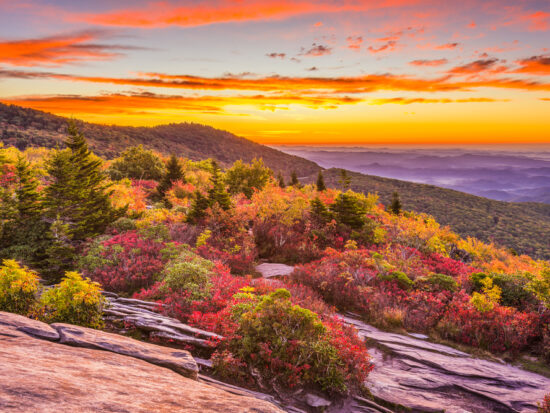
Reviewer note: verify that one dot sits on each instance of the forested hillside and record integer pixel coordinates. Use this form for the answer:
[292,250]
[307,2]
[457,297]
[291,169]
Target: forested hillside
[22,127]
[525,227]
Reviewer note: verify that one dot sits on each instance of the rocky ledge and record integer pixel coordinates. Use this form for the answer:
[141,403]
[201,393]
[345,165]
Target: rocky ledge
[68,368]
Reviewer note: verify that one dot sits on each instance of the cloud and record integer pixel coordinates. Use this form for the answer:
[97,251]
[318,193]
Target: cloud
[537,21]
[316,50]
[354,42]
[275,55]
[387,47]
[435,62]
[478,66]
[59,50]
[535,65]
[409,101]
[312,69]
[307,85]
[199,13]
[447,46]
[147,102]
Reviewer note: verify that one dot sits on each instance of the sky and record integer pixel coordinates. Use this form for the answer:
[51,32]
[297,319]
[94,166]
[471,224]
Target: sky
[288,72]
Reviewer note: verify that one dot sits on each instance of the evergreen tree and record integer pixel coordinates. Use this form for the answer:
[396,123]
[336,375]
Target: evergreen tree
[174,172]
[60,253]
[395,206]
[294,180]
[349,211]
[319,211]
[345,180]
[137,163]
[281,180]
[78,194]
[29,205]
[321,182]
[217,193]
[198,208]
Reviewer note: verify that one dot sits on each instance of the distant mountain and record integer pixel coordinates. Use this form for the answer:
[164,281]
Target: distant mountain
[515,174]
[22,127]
[522,226]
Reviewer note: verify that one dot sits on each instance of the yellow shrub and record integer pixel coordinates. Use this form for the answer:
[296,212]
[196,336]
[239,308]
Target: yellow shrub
[18,287]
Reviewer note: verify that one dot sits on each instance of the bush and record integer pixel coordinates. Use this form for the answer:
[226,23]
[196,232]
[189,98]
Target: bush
[437,282]
[188,273]
[124,224]
[399,277]
[75,301]
[544,407]
[290,345]
[18,288]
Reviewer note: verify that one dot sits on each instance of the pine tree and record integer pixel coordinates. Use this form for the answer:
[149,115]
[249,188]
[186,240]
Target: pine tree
[349,211]
[294,180]
[60,253]
[174,172]
[281,180]
[79,191]
[395,206]
[198,208]
[321,182]
[29,205]
[217,194]
[345,180]
[320,211]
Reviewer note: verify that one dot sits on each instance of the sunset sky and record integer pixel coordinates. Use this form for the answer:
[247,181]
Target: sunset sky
[295,72]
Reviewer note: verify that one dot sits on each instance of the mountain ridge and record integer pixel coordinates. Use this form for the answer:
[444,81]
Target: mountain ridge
[525,226]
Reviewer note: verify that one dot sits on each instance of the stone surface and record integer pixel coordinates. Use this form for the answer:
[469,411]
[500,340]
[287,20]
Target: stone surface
[17,323]
[269,269]
[316,401]
[46,377]
[180,361]
[428,377]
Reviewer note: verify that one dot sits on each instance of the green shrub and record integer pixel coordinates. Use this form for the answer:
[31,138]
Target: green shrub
[188,273]
[403,281]
[18,288]
[124,224]
[285,343]
[437,282]
[75,301]
[514,290]
[477,280]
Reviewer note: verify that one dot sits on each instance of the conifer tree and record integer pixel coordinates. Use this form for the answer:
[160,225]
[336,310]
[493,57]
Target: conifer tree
[320,211]
[217,194]
[78,194]
[349,211]
[198,208]
[345,180]
[294,180]
[60,252]
[29,205]
[281,180]
[395,206]
[321,182]
[174,172]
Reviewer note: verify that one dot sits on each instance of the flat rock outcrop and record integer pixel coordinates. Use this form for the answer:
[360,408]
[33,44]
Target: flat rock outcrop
[38,375]
[269,269]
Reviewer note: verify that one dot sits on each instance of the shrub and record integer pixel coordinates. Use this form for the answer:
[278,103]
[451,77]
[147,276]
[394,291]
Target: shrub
[544,407]
[399,277]
[437,282]
[124,224]
[75,301]
[188,273]
[290,345]
[125,263]
[18,288]
[393,317]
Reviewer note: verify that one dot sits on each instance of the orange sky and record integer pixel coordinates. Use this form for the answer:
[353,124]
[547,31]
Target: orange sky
[330,72]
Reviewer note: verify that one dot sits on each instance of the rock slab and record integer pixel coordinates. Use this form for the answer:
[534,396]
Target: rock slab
[42,376]
[180,361]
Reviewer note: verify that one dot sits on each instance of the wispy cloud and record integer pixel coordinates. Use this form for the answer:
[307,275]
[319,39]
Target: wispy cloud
[59,50]
[316,50]
[433,62]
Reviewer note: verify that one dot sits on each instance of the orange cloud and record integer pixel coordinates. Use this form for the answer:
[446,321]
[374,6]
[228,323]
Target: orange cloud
[387,47]
[538,21]
[408,101]
[354,42]
[316,50]
[165,14]
[446,46]
[306,85]
[58,50]
[479,66]
[436,62]
[535,65]
[146,102]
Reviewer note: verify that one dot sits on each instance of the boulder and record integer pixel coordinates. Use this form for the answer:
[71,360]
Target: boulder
[42,376]
[180,361]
